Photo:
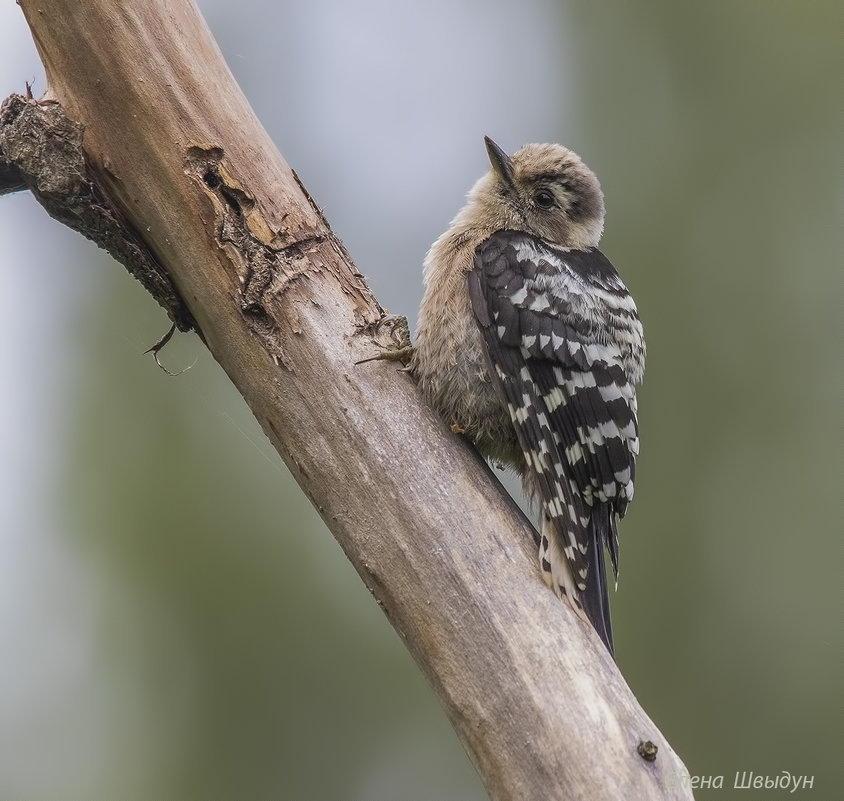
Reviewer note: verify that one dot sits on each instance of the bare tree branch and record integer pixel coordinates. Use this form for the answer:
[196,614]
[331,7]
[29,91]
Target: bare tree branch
[187,173]
[41,150]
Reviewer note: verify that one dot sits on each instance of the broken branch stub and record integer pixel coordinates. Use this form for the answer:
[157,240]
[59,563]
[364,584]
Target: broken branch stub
[41,150]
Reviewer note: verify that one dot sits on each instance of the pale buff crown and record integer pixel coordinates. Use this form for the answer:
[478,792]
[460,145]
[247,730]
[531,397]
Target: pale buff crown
[544,189]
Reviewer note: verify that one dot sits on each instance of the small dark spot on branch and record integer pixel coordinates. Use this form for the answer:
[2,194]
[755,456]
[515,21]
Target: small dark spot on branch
[647,750]
[211,179]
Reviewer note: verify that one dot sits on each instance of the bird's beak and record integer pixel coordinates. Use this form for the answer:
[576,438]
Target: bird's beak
[500,161]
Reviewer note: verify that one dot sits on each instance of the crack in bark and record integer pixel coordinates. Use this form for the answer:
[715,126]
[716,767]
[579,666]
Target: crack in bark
[268,261]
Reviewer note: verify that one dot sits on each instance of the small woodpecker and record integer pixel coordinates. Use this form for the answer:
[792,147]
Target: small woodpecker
[530,344]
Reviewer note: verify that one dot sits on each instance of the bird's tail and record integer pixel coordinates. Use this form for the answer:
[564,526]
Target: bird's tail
[595,598]
[592,601]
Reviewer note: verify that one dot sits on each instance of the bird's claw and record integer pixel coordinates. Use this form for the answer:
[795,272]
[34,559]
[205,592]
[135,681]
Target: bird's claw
[397,347]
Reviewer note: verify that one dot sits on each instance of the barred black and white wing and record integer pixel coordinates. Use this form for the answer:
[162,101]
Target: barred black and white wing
[566,349]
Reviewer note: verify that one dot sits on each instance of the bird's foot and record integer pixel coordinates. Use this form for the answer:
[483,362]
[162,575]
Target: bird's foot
[394,334]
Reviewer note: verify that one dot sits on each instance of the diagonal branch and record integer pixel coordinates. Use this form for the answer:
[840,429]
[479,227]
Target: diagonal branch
[174,152]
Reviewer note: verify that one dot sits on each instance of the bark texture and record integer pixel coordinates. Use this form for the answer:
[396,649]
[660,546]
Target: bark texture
[246,257]
[41,150]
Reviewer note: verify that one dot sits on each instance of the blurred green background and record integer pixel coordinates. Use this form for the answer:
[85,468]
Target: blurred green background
[175,621]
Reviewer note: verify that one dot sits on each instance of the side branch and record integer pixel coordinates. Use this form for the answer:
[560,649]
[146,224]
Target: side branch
[41,150]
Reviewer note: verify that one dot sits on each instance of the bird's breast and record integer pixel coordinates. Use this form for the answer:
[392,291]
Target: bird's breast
[452,370]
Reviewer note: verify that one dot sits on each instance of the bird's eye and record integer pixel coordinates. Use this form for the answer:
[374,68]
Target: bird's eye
[544,199]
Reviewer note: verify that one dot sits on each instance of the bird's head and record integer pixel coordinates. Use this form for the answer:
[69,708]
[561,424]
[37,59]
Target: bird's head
[545,190]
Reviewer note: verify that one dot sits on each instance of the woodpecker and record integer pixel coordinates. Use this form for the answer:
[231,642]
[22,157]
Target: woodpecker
[529,343]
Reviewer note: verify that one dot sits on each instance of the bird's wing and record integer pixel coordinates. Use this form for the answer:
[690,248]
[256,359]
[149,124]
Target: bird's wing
[544,315]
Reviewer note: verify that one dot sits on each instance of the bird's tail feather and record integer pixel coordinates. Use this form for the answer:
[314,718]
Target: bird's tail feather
[591,602]
[595,598]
